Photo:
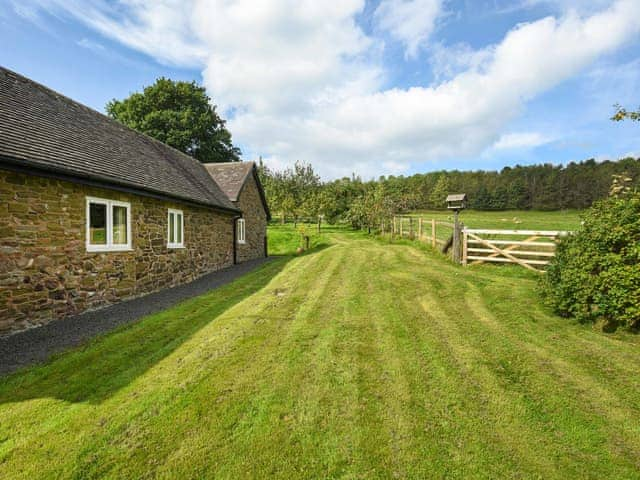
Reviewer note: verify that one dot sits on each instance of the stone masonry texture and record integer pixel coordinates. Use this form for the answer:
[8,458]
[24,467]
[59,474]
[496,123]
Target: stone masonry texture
[46,272]
[255,221]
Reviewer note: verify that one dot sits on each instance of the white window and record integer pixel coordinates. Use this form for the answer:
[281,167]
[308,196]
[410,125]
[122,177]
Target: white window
[108,225]
[176,229]
[240,231]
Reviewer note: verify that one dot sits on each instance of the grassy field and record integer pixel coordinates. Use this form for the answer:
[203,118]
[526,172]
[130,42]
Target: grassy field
[360,359]
[510,219]
[285,239]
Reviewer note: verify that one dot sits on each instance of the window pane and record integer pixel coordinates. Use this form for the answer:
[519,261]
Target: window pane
[240,230]
[179,228]
[97,224]
[172,228]
[119,232]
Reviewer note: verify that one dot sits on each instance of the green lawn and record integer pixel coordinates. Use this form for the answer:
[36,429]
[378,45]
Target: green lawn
[360,359]
[285,239]
[510,219]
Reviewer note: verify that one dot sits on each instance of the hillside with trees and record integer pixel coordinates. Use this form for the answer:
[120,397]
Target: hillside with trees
[298,192]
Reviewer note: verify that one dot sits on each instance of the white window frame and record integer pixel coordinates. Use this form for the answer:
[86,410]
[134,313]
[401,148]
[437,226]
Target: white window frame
[241,232]
[175,213]
[109,246]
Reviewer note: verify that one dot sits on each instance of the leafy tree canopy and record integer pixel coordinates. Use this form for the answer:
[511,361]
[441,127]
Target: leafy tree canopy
[179,114]
[624,114]
[594,275]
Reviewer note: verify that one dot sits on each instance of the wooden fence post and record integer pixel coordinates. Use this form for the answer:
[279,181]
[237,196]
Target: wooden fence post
[411,228]
[465,243]
[420,228]
[456,239]
[401,222]
[433,232]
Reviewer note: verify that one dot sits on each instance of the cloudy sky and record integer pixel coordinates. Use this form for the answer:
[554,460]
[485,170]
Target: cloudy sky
[353,86]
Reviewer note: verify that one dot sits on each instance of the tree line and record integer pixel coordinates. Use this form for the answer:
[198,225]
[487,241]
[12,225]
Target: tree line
[298,192]
[182,115]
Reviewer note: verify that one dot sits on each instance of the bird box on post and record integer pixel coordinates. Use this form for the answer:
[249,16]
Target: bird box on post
[457,201]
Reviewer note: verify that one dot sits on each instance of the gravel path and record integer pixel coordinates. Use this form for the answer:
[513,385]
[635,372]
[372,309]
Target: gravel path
[37,344]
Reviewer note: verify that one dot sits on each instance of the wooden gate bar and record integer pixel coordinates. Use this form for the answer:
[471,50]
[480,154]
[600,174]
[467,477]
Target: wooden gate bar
[516,242]
[506,260]
[502,252]
[539,233]
[512,247]
[514,252]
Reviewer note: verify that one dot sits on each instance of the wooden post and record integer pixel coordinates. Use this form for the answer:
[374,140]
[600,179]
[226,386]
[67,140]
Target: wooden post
[433,232]
[401,222]
[420,228]
[319,223]
[456,239]
[465,245]
[411,228]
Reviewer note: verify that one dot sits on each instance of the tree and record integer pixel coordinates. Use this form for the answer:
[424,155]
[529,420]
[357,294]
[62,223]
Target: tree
[624,114]
[594,275]
[293,192]
[440,191]
[179,114]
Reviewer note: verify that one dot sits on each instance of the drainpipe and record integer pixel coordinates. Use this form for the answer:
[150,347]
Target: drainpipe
[235,239]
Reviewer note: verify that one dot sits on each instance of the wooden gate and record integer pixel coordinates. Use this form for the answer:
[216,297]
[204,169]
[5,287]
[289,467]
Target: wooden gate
[531,249]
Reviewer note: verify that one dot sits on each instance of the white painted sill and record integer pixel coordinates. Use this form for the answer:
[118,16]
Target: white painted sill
[98,249]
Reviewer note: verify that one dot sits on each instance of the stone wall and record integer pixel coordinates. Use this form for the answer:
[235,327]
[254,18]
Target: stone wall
[255,222]
[46,272]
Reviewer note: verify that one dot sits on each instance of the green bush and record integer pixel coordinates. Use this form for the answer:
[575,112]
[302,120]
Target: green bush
[595,276]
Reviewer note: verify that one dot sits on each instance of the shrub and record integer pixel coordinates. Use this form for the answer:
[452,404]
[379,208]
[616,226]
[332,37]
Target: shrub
[595,276]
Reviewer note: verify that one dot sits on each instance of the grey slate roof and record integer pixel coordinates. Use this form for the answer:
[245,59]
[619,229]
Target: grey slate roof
[41,129]
[232,176]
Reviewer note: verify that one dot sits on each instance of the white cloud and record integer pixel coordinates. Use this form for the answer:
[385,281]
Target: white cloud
[409,21]
[284,57]
[306,83]
[583,6]
[161,28]
[91,45]
[512,141]
[449,61]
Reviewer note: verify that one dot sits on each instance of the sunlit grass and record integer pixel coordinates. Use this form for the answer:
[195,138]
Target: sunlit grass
[364,358]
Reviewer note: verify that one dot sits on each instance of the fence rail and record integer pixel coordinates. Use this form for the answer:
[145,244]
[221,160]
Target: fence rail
[422,229]
[531,249]
[533,252]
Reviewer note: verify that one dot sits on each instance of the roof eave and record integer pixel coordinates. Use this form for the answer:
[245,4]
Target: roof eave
[36,168]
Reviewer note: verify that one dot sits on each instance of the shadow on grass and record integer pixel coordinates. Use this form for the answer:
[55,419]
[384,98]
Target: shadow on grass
[311,251]
[98,369]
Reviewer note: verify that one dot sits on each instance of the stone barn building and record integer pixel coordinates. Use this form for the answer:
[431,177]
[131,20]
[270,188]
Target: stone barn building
[92,212]
[240,182]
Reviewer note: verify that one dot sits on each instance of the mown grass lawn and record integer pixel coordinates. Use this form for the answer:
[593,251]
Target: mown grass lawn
[510,219]
[361,359]
[284,239]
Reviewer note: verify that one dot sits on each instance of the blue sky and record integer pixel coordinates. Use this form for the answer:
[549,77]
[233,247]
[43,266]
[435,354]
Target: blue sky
[383,87]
